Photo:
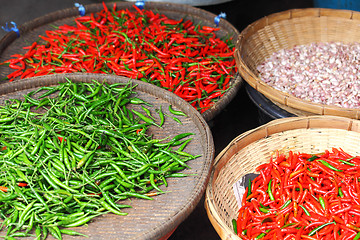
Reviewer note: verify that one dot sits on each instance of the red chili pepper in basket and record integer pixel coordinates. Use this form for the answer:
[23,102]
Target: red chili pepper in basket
[3,189]
[321,203]
[138,44]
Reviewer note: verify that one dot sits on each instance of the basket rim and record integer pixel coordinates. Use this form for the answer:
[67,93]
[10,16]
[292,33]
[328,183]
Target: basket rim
[308,122]
[184,9]
[279,96]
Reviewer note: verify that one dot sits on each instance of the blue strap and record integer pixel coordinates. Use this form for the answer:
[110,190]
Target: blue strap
[81,9]
[140,4]
[218,17]
[14,28]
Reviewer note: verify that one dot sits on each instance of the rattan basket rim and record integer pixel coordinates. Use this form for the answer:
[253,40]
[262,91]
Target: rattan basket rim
[275,126]
[169,8]
[276,95]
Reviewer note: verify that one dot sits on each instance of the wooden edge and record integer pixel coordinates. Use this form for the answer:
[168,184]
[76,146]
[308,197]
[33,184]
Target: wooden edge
[243,69]
[292,101]
[280,16]
[235,85]
[285,124]
[305,12]
[272,93]
[219,227]
[303,105]
[355,15]
[327,12]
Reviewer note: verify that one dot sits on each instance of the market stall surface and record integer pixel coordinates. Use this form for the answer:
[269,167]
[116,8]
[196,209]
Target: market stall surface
[239,116]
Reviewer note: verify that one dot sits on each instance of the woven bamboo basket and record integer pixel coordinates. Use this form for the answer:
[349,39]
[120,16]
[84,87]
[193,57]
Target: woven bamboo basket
[30,31]
[284,30]
[312,134]
[158,218]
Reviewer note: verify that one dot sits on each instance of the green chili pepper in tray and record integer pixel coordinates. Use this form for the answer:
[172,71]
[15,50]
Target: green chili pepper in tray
[72,162]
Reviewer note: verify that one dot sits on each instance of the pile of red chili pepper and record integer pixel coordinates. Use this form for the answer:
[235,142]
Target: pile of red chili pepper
[303,196]
[177,55]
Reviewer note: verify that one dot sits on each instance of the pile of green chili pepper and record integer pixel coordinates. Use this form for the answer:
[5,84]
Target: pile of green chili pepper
[177,55]
[71,152]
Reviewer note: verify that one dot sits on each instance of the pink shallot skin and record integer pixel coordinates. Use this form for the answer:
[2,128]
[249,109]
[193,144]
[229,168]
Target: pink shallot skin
[324,73]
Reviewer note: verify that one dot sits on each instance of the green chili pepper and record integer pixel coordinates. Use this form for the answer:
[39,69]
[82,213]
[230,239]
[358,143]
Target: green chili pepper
[60,183]
[81,221]
[136,195]
[152,182]
[85,159]
[287,203]
[180,113]
[249,188]
[322,202]
[319,228]
[17,234]
[109,208]
[161,116]
[305,210]
[261,235]
[71,232]
[144,118]
[174,118]
[38,232]
[329,165]
[287,225]
[357,236]
[234,224]
[341,194]
[55,232]
[264,210]
[346,162]
[271,196]
[313,158]
[40,142]
[262,205]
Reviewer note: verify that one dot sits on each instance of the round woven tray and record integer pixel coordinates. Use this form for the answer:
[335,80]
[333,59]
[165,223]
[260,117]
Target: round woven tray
[30,31]
[284,30]
[146,219]
[298,134]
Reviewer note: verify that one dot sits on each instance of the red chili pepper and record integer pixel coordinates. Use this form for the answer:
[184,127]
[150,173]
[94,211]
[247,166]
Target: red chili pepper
[163,51]
[21,184]
[313,187]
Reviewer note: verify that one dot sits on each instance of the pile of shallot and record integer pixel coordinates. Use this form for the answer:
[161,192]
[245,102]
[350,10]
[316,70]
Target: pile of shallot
[325,73]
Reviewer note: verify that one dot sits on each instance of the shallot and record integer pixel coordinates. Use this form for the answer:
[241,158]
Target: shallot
[324,73]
